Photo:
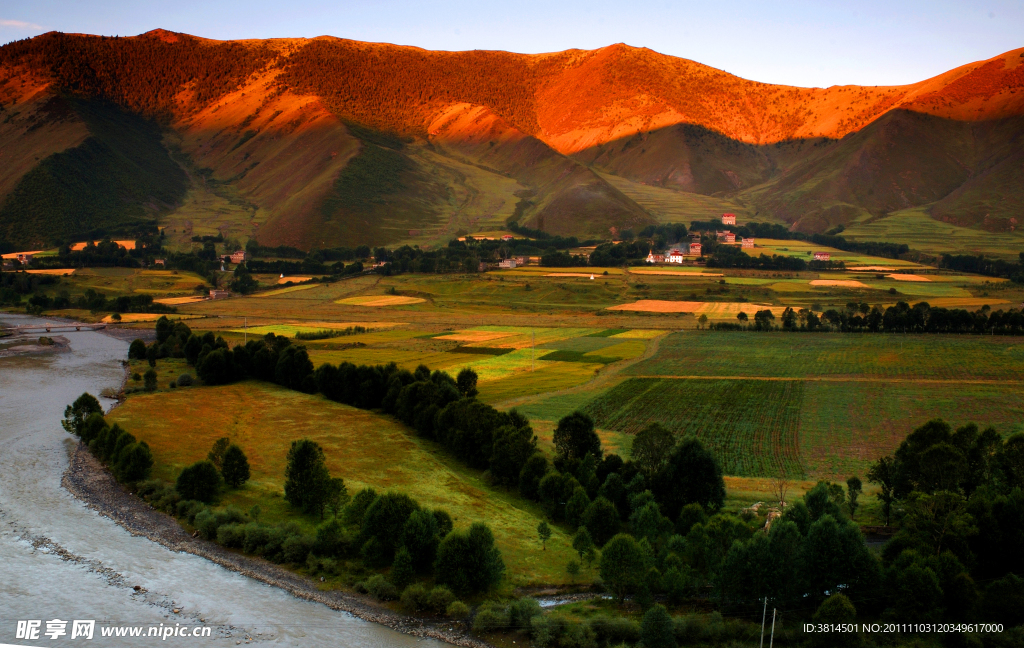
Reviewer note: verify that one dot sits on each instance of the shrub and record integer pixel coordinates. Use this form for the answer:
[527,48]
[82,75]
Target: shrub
[184,380]
[206,524]
[490,616]
[468,561]
[440,598]
[380,588]
[657,629]
[149,379]
[296,548]
[331,539]
[457,610]
[415,597]
[256,537]
[616,630]
[188,509]
[231,535]
[522,611]
[402,571]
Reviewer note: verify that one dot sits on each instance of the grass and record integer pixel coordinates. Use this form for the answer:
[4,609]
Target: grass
[751,426]
[922,232]
[380,300]
[547,378]
[285,291]
[838,356]
[364,448]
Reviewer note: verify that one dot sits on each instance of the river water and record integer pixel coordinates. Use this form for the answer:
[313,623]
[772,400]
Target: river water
[61,560]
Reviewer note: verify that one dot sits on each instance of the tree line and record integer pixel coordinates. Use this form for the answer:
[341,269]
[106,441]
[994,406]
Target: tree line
[900,318]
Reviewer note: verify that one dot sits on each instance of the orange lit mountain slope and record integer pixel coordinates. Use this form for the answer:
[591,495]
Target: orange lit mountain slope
[322,142]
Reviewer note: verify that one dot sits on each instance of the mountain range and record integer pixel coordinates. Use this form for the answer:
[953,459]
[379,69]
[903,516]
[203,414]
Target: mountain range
[325,142]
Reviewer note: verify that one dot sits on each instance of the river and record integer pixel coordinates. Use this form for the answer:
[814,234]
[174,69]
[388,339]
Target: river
[61,560]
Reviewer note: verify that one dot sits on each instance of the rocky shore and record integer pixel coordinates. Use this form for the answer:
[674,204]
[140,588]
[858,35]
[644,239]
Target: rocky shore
[90,482]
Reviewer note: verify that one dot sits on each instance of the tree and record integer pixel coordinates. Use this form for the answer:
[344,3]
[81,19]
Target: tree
[137,350]
[622,565]
[385,522]
[575,437]
[601,520]
[76,413]
[742,316]
[337,496]
[938,522]
[200,481]
[854,487]
[402,571]
[217,367]
[420,537]
[512,448]
[530,476]
[651,448]
[573,569]
[134,463]
[149,380]
[582,542]
[468,561]
[576,506]
[216,454]
[466,382]
[235,467]
[691,474]
[307,479]
[657,629]
[544,533]
[835,610]
[883,473]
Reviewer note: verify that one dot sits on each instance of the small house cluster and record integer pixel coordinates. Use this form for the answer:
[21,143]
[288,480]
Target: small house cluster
[236,257]
[821,256]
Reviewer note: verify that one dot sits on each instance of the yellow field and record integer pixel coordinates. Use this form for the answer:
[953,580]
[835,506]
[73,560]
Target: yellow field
[552,376]
[497,367]
[289,330]
[845,283]
[668,272]
[365,449]
[284,280]
[282,291]
[907,277]
[150,317]
[173,301]
[380,300]
[640,334]
[711,309]
[406,359]
[62,272]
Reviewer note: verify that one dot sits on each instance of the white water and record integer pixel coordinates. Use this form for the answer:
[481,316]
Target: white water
[38,518]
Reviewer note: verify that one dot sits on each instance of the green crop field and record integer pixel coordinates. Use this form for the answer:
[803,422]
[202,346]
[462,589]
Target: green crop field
[751,426]
[837,356]
[922,232]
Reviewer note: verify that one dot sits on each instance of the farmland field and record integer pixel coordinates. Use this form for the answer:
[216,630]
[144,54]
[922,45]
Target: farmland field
[364,448]
[751,426]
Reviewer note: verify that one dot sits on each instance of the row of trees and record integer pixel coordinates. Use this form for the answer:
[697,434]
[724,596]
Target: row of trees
[129,459]
[900,318]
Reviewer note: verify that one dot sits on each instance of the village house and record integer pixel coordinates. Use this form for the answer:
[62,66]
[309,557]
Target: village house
[695,249]
[748,242]
[675,255]
[730,237]
[821,256]
[159,262]
[508,237]
[219,294]
[728,219]
[507,264]
[655,258]
[520,260]
[239,257]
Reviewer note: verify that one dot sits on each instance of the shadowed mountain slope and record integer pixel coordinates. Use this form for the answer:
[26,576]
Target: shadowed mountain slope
[327,141]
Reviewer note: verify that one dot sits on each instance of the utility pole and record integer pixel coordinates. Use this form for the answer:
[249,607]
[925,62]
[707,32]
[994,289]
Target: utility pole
[764,614]
[772,640]
[533,350]
[245,322]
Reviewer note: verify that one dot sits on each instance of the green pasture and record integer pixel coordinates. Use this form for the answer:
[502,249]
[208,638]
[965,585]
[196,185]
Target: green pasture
[922,232]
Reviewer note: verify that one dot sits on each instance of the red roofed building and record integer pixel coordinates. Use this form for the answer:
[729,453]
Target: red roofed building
[821,256]
[728,219]
[748,242]
[730,237]
[695,249]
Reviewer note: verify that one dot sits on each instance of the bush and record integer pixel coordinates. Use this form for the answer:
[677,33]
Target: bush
[235,467]
[457,610]
[188,509]
[414,598]
[440,598]
[657,629]
[206,524]
[522,611]
[402,571]
[616,630]
[256,537]
[331,539]
[231,535]
[296,548]
[490,616]
[149,379]
[380,588]
[184,380]
[200,481]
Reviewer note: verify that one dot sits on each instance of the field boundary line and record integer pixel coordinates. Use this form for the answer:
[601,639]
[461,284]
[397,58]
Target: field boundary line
[840,379]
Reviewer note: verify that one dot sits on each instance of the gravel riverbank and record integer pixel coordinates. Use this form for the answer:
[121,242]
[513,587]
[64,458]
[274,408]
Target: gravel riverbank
[90,482]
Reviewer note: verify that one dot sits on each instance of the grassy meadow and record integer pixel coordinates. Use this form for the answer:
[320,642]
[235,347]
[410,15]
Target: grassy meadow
[364,448]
